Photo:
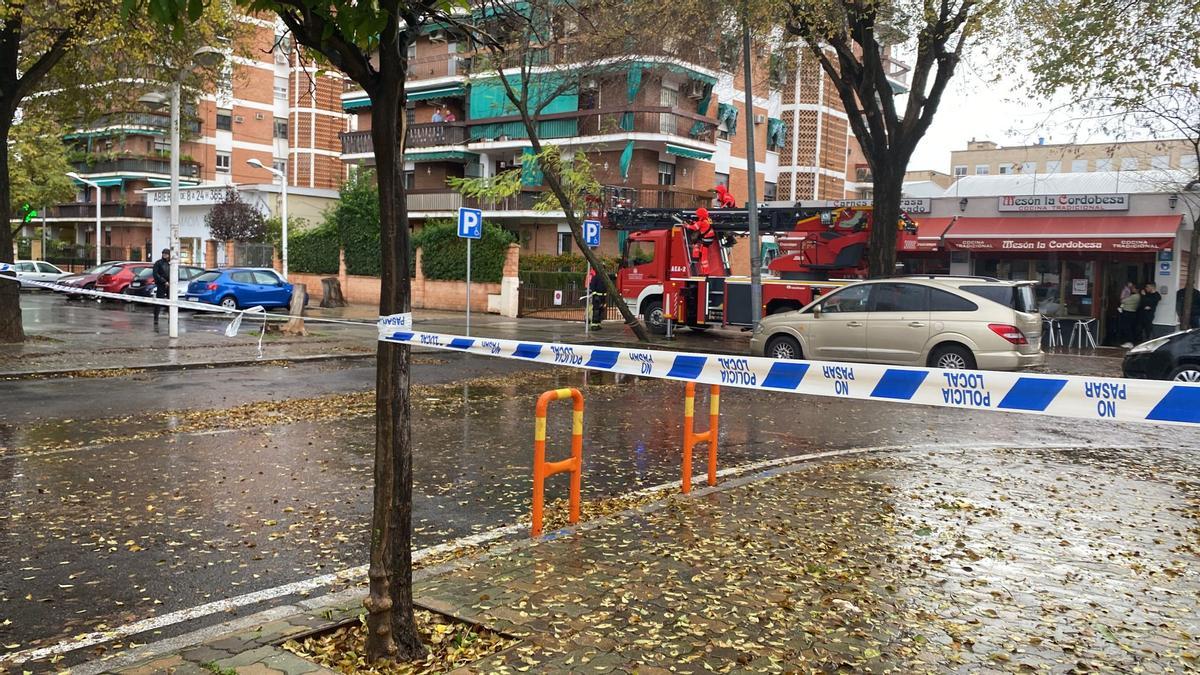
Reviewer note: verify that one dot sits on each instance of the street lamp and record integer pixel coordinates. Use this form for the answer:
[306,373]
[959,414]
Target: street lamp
[282,175]
[76,177]
[207,57]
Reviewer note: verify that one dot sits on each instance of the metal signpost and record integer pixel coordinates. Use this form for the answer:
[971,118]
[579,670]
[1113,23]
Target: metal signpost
[470,226]
[591,237]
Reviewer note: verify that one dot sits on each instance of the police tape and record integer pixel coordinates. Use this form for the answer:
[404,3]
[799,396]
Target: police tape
[1091,398]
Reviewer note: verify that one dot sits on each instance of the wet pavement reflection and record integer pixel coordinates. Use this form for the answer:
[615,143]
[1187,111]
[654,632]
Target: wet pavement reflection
[177,509]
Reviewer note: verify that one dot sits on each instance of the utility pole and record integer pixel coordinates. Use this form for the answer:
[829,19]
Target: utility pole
[751,177]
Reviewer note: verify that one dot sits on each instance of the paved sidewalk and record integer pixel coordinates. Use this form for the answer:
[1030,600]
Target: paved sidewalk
[1003,560]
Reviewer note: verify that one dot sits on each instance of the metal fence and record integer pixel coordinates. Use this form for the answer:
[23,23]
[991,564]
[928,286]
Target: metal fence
[556,295]
[247,254]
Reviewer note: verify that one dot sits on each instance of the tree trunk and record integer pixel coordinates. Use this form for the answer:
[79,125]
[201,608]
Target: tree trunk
[885,214]
[11,329]
[331,293]
[295,325]
[391,626]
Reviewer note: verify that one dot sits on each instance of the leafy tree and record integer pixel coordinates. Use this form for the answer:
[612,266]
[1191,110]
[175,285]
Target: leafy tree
[232,219]
[38,165]
[355,218]
[368,42]
[850,39]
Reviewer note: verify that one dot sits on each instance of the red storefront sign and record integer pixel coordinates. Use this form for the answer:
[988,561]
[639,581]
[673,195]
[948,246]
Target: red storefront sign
[1111,234]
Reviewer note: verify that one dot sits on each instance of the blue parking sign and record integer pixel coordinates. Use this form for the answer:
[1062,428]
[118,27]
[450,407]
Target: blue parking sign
[591,233]
[470,223]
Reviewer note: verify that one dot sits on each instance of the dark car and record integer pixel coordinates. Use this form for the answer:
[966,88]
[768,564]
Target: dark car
[143,282]
[85,279]
[239,287]
[1172,357]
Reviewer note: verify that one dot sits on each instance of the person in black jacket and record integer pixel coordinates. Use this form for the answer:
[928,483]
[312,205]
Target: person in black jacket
[599,298]
[1195,318]
[1146,309]
[162,279]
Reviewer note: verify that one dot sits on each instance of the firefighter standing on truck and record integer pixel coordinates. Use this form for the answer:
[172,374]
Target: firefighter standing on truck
[599,298]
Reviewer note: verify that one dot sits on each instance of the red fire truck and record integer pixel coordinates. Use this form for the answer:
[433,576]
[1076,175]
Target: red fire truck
[675,262]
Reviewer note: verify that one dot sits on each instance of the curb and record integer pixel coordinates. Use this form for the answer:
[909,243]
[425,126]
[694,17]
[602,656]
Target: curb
[75,372]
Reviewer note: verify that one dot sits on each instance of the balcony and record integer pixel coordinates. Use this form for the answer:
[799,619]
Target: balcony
[426,135]
[133,120]
[655,196]
[862,173]
[433,200]
[83,211]
[637,119]
[187,168]
[626,196]
[441,65]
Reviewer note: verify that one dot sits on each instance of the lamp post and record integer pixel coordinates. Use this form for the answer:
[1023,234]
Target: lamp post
[76,177]
[204,56]
[282,175]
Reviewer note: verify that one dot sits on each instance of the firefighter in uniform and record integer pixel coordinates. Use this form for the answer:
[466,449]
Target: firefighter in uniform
[703,235]
[599,298]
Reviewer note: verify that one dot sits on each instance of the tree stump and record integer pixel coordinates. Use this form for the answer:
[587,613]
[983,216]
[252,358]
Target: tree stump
[295,325]
[331,291]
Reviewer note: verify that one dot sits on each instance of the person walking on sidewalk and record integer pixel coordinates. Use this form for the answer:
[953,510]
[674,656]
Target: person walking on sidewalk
[162,279]
[1149,305]
[599,298]
[1127,324]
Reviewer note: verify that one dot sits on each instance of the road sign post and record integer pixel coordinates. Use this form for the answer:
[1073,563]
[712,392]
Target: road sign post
[470,226]
[591,237]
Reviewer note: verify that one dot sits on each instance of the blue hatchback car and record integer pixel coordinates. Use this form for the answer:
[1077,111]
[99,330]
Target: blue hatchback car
[240,287]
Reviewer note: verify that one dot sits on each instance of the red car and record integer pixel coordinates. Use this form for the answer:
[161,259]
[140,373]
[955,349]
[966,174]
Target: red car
[118,277]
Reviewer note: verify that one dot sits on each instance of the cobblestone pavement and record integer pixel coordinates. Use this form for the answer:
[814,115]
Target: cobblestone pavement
[952,561]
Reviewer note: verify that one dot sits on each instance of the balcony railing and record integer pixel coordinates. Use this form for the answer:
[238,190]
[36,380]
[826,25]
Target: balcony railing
[136,165]
[641,119]
[862,174]
[88,211]
[433,200]
[440,65]
[425,135]
[655,196]
[142,119]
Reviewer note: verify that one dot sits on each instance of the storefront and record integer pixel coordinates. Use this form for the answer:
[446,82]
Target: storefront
[1080,248]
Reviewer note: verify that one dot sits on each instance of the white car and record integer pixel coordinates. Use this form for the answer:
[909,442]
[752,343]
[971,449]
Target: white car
[37,270]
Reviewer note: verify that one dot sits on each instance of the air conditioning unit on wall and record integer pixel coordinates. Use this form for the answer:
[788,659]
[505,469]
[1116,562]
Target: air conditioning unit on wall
[258,116]
[239,119]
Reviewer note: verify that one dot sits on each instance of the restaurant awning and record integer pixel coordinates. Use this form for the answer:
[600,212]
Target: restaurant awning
[1126,234]
[929,233]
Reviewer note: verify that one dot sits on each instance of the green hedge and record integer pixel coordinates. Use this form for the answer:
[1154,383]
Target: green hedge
[314,251]
[567,262]
[444,254]
[355,217]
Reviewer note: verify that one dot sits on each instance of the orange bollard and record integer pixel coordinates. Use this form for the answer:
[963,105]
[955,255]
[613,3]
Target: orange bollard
[691,438]
[543,469]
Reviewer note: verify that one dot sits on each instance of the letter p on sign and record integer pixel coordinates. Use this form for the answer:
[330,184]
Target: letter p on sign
[591,233]
[470,223]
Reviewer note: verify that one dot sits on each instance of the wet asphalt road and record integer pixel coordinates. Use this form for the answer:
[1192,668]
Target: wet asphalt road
[108,522]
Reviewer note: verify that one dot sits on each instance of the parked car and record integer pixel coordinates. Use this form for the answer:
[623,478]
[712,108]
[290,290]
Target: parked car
[239,287]
[85,279]
[37,270]
[1171,357]
[941,322]
[117,278]
[143,282]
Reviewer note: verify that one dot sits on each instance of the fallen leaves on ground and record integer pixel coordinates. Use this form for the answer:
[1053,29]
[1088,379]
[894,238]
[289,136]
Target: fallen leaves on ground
[451,644]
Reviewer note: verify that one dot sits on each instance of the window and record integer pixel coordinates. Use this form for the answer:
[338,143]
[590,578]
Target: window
[942,301]
[722,179]
[1104,164]
[242,277]
[208,276]
[1005,169]
[1079,166]
[1019,298]
[589,99]
[281,87]
[410,113]
[25,267]
[281,128]
[769,191]
[279,165]
[1129,164]
[1160,162]
[564,242]
[666,173]
[223,162]
[1189,162]
[161,145]
[410,180]
[851,299]
[982,169]
[47,267]
[224,120]
[1053,166]
[960,170]
[266,278]
[900,298]
[639,253]
[412,50]
[1028,167]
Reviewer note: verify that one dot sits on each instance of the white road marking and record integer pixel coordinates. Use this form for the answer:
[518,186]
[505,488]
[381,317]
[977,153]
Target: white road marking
[86,640]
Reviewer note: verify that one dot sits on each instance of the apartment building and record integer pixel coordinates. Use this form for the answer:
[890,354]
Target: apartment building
[986,158]
[271,106]
[662,129]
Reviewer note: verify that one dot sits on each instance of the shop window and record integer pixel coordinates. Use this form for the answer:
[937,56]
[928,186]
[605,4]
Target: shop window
[224,120]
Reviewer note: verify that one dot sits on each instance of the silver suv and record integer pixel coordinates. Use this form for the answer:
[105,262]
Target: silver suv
[941,322]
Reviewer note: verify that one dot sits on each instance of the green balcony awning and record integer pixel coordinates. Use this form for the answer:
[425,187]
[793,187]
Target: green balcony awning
[104,182]
[441,156]
[687,152]
[349,104]
[440,92]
